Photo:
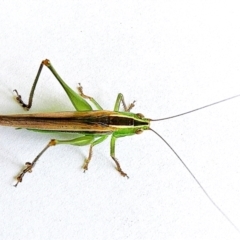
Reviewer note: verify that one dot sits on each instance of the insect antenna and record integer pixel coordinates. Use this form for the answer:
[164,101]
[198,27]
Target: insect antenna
[199,184]
[184,164]
[197,109]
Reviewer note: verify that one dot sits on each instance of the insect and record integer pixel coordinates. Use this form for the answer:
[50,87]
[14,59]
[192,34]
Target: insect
[91,126]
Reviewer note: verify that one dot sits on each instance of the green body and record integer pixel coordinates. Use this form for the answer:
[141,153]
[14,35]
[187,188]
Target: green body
[91,126]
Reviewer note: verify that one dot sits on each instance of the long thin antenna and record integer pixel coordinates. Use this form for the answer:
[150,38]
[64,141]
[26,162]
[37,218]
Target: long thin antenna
[199,184]
[197,109]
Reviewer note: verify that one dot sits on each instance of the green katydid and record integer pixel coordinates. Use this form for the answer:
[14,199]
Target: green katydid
[92,126]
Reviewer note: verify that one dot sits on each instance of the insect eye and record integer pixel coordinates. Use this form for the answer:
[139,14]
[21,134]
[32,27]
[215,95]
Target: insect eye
[139,131]
[140,115]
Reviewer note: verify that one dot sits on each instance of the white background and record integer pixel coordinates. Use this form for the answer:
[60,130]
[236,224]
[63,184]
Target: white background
[170,56]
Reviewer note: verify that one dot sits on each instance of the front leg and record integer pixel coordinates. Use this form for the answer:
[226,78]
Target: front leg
[112,152]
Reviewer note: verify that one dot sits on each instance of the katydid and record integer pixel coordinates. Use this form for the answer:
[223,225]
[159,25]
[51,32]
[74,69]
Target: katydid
[92,126]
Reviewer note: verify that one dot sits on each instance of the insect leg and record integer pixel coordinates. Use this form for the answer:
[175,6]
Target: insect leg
[29,166]
[112,153]
[19,97]
[80,141]
[91,99]
[87,160]
[120,99]
[78,102]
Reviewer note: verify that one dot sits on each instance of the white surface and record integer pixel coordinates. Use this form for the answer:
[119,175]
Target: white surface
[170,56]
